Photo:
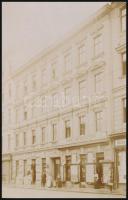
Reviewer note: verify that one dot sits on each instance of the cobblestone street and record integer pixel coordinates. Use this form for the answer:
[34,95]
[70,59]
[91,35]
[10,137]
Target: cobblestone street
[11,192]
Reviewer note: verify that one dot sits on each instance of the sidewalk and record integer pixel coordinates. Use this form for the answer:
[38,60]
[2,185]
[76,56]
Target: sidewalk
[68,189]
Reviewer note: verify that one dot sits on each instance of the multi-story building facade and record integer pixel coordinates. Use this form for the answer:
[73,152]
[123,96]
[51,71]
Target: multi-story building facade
[66,108]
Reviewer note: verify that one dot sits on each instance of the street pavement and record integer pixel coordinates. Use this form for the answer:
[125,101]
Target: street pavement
[11,192]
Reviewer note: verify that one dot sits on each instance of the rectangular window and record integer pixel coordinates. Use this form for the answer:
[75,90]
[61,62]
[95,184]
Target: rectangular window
[82,90]
[67,60]
[25,138]
[124,64]
[123,19]
[124,110]
[99,82]
[33,137]
[68,129]
[25,167]
[99,120]
[67,95]
[17,167]
[54,132]
[82,54]
[17,140]
[98,45]
[82,125]
[25,115]
[43,135]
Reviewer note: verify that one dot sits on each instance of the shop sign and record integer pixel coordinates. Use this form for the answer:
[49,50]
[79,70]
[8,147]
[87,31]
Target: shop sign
[121,142]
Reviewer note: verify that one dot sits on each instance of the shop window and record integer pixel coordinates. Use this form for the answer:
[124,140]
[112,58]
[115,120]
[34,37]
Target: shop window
[83,160]
[43,176]
[68,129]
[25,167]
[17,167]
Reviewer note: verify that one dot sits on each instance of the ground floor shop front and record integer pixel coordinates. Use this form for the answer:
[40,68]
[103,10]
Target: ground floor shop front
[94,166]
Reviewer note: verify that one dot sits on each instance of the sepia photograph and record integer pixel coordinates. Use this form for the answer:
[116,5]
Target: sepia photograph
[64,99]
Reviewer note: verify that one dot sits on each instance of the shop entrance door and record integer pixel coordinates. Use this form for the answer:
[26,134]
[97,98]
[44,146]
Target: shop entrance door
[56,168]
[68,168]
[99,167]
[83,160]
[33,168]
[43,177]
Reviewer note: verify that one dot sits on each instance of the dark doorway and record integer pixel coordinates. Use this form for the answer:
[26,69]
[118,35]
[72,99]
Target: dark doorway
[33,168]
[99,167]
[56,168]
